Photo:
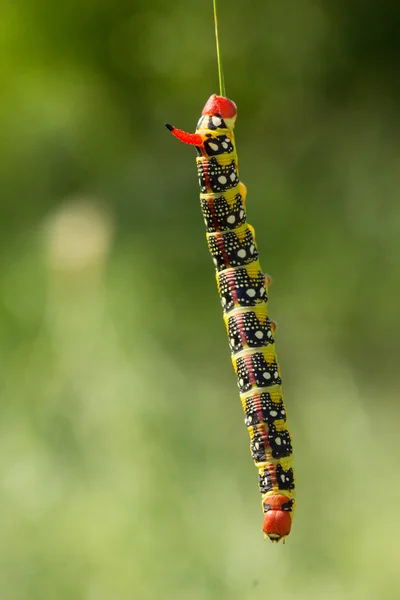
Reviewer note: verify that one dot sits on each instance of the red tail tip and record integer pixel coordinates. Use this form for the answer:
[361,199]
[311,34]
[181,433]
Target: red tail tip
[194,139]
[219,105]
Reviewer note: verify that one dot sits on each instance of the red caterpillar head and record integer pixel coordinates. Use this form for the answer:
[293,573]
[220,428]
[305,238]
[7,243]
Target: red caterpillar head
[277,518]
[219,106]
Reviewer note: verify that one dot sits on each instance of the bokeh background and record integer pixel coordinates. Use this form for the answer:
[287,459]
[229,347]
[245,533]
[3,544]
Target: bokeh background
[124,464]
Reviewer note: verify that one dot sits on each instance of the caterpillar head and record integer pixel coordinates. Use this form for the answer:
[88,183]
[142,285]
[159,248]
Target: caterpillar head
[219,107]
[277,517]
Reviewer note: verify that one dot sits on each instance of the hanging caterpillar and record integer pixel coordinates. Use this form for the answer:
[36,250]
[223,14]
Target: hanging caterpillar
[243,288]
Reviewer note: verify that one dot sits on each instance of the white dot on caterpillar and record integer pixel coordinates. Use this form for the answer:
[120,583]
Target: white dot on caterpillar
[273,413]
[259,335]
[224,145]
[276,375]
[231,219]
[216,121]
[241,253]
[241,382]
[283,478]
[269,334]
[262,291]
[232,341]
[215,261]
[278,441]
[241,214]
[232,176]
[222,179]
[251,293]
[223,301]
[251,249]
[213,146]
[267,375]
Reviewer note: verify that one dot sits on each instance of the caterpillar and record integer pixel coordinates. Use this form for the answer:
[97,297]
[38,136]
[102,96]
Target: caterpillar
[243,290]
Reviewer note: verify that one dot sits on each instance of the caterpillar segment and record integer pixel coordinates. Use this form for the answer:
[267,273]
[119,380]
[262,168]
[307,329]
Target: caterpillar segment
[243,290]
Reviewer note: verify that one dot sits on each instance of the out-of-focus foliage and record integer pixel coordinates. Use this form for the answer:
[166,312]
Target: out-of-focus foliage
[124,463]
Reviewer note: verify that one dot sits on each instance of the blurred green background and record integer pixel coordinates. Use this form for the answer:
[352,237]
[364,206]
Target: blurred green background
[124,464]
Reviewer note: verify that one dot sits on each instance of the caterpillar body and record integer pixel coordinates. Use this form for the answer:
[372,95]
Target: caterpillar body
[243,290]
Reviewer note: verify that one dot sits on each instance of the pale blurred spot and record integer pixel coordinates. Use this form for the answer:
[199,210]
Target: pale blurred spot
[79,235]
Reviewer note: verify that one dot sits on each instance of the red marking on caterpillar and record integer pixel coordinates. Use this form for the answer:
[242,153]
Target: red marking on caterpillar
[277,521]
[193,139]
[220,242]
[218,105]
[241,330]
[249,366]
[263,429]
[206,176]
[258,407]
[231,281]
[210,203]
[272,472]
